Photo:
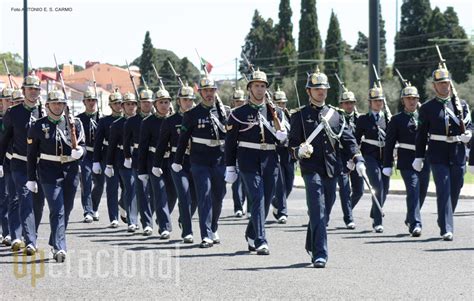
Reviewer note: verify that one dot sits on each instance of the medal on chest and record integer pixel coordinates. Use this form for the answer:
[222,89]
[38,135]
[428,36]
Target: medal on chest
[45,129]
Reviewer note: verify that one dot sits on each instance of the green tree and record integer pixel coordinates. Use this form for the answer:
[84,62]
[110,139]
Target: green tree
[286,51]
[309,43]
[383,42]
[334,58]
[147,59]
[412,57]
[14,62]
[361,49]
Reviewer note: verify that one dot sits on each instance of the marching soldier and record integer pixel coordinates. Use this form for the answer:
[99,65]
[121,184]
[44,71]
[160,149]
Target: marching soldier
[351,185]
[115,161]
[319,158]
[183,181]
[26,208]
[204,126]
[402,129]
[251,140]
[444,118]
[130,149]
[58,142]
[370,134]
[162,187]
[286,167]
[101,145]
[238,191]
[90,195]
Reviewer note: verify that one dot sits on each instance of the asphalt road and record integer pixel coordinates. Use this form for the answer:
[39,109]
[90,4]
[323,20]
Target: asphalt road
[108,263]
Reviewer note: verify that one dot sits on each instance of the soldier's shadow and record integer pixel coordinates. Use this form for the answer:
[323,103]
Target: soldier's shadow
[413,240]
[464,213]
[283,267]
[449,250]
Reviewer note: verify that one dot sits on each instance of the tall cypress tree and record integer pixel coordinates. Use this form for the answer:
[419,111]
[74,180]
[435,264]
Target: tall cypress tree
[286,50]
[361,49]
[383,42]
[334,58]
[411,56]
[147,58]
[309,43]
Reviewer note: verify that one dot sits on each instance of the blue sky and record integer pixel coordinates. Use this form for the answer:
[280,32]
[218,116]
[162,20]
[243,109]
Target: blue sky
[113,30]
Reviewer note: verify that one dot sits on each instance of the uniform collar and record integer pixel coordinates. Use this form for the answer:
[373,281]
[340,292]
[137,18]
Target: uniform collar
[56,121]
[443,100]
[91,114]
[143,115]
[29,108]
[256,106]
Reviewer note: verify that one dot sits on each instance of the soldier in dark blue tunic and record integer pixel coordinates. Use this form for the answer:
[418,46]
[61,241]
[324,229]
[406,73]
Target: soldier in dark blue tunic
[370,134]
[92,185]
[131,140]
[317,130]
[252,135]
[115,161]
[25,208]
[286,166]
[238,191]
[183,181]
[351,185]
[101,145]
[402,130]
[204,127]
[446,121]
[58,141]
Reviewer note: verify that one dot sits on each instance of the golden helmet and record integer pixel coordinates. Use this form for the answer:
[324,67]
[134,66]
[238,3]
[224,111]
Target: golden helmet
[88,94]
[129,97]
[441,74]
[6,92]
[32,81]
[258,76]
[317,79]
[146,95]
[347,96]
[238,94]
[376,93]
[115,97]
[186,92]
[207,82]
[56,96]
[162,94]
[17,94]
[410,91]
[279,96]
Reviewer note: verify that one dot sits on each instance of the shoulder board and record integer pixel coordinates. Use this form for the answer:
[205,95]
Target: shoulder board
[296,109]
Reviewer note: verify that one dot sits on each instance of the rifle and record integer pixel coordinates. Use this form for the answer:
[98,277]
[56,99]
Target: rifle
[403,80]
[133,82]
[96,94]
[299,106]
[385,105]
[8,74]
[270,105]
[158,76]
[178,76]
[69,118]
[457,102]
[219,103]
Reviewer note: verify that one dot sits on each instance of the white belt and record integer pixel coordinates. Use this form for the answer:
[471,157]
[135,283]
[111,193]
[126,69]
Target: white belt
[120,146]
[61,159]
[259,146]
[135,145]
[105,142]
[407,146]
[152,149]
[9,156]
[447,139]
[373,142]
[19,157]
[90,148]
[208,142]
[174,148]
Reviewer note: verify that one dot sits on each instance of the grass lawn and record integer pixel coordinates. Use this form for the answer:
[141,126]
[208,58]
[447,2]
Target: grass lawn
[468,177]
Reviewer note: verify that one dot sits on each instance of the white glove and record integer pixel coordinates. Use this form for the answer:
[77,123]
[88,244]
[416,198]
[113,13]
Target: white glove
[143,178]
[1,171]
[109,171]
[77,153]
[417,164]
[157,171]
[127,163]
[176,167]
[466,137]
[32,186]
[230,174]
[305,150]
[387,171]
[96,168]
[351,165]
[281,135]
[470,168]
[361,169]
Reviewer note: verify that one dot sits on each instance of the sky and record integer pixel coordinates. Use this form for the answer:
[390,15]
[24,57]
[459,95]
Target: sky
[112,31]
